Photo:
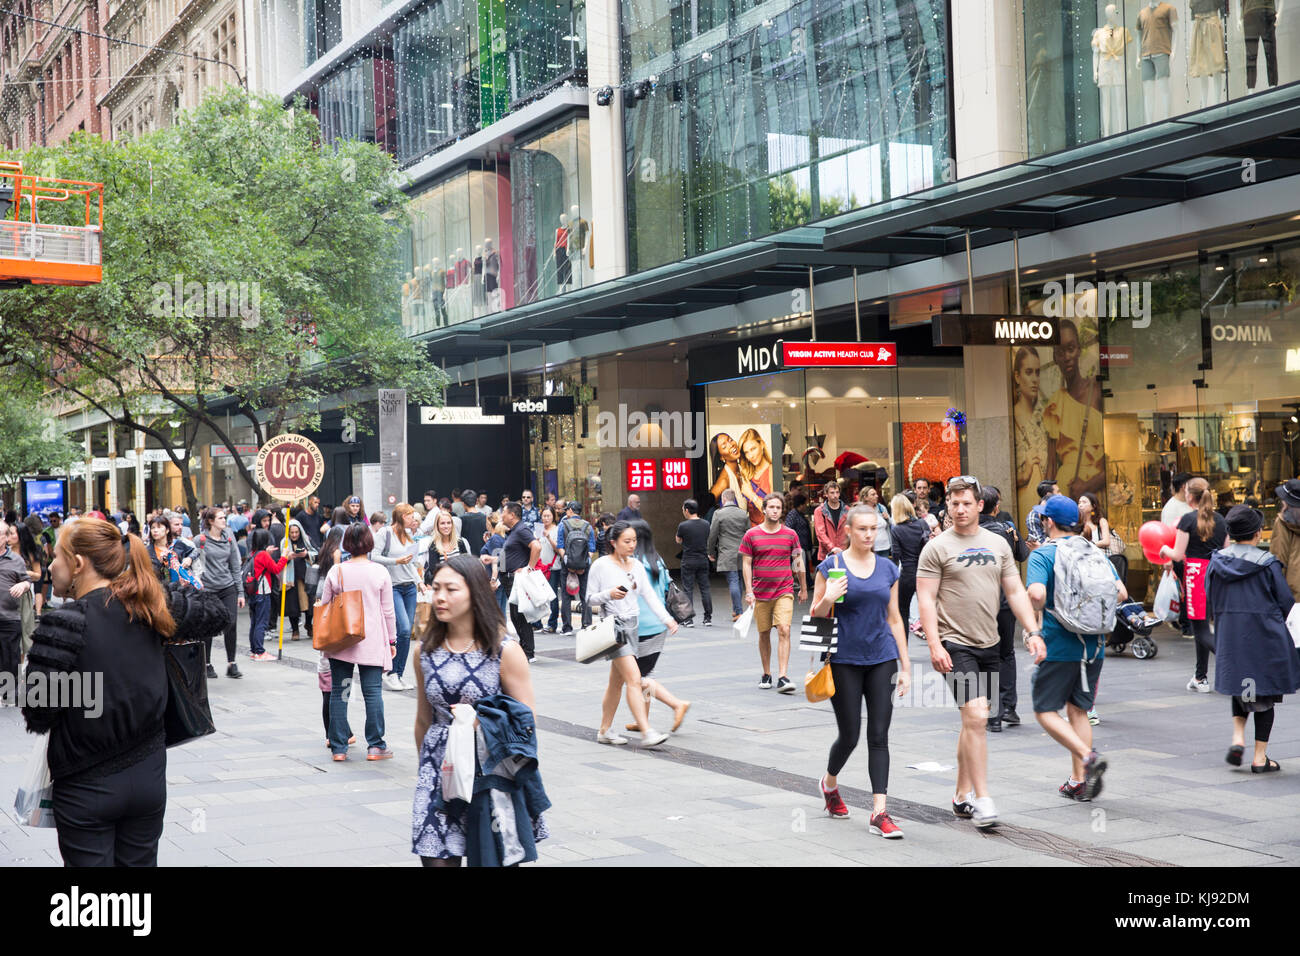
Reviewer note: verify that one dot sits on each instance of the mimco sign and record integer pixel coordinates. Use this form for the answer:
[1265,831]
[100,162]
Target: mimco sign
[957,330]
[1015,330]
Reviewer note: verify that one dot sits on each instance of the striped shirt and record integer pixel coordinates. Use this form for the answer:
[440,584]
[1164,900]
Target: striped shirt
[772,553]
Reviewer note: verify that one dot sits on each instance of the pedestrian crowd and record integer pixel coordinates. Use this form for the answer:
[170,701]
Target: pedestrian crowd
[454,592]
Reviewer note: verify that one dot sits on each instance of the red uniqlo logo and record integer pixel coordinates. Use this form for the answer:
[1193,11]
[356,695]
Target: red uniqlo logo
[640,474]
[677,474]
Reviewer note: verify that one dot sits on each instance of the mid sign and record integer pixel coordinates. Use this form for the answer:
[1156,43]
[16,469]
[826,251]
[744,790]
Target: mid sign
[289,467]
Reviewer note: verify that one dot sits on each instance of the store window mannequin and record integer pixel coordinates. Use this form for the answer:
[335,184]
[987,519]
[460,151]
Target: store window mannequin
[476,282]
[437,292]
[582,253]
[1156,24]
[1258,22]
[492,277]
[1109,59]
[563,268]
[1207,59]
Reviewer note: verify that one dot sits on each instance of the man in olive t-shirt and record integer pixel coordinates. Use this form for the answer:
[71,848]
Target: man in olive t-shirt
[960,577]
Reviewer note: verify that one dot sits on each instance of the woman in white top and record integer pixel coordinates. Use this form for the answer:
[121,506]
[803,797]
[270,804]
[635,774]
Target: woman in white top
[396,549]
[614,583]
[547,562]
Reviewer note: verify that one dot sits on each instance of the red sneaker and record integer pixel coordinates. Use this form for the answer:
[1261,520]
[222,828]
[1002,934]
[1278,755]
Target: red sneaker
[882,825]
[834,805]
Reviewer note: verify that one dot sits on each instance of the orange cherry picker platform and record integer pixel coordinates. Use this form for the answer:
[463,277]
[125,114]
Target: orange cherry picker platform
[69,252]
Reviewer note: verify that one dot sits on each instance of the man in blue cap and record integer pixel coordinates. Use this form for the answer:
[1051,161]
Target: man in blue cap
[1067,676]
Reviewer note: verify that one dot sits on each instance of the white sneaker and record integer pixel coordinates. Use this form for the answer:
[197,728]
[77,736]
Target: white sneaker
[985,815]
[653,738]
[393,682]
[407,683]
[1200,686]
[613,740]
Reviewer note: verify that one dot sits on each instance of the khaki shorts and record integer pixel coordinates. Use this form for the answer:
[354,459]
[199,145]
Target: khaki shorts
[778,611]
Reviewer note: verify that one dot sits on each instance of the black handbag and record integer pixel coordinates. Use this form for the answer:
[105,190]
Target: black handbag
[678,604]
[188,715]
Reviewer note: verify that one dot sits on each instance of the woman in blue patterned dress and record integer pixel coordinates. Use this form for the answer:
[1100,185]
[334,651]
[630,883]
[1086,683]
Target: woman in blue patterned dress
[463,657]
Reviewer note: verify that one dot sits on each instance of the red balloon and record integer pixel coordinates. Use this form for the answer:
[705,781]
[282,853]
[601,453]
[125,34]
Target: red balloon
[1153,535]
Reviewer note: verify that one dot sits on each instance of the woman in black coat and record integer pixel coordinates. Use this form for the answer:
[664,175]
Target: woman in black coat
[1256,661]
[910,534]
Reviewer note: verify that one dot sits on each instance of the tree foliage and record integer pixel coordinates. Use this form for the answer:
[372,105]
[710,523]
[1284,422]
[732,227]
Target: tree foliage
[284,253]
[30,442]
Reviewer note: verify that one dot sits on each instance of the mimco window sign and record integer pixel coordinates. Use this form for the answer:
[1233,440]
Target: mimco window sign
[957,330]
[526,405]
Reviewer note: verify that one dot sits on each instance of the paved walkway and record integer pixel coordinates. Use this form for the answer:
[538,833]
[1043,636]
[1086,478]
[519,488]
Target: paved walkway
[737,785]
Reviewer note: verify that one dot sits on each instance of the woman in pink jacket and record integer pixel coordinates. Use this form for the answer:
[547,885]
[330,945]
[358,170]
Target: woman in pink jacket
[373,656]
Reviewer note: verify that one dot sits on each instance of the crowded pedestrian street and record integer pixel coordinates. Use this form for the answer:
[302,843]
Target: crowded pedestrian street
[736,786]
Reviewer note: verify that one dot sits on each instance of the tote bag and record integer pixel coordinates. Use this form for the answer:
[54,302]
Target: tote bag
[341,623]
[187,715]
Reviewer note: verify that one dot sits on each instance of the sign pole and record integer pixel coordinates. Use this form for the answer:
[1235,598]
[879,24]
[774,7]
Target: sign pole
[288,512]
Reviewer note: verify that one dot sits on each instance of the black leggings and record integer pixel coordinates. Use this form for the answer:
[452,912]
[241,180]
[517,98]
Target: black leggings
[1204,647]
[1263,719]
[906,591]
[875,684]
[230,598]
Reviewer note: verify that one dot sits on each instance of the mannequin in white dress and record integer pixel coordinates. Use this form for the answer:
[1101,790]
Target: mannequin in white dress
[1109,61]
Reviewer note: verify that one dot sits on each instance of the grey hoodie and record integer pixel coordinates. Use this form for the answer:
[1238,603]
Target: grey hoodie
[221,560]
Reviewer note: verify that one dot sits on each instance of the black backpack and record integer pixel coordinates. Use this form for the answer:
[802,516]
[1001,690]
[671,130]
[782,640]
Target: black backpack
[249,577]
[580,559]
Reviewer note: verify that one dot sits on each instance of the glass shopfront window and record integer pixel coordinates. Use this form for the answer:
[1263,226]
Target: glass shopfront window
[1210,386]
[563,451]
[358,101]
[1095,68]
[555,227]
[435,54]
[460,250]
[745,120]
[764,432]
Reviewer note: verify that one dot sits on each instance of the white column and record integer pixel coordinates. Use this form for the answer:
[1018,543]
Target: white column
[90,475]
[608,188]
[112,469]
[988,68]
[139,477]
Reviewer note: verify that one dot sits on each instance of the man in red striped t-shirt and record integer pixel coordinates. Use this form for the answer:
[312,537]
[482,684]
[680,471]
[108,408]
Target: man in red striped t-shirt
[769,551]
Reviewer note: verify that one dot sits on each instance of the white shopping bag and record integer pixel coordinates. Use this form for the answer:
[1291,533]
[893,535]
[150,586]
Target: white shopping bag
[539,589]
[1293,624]
[521,598]
[1168,601]
[458,760]
[740,626]
[35,800]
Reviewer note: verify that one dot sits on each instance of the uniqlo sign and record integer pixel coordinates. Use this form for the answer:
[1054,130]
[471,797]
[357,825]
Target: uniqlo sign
[843,354]
[640,474]
[677,474]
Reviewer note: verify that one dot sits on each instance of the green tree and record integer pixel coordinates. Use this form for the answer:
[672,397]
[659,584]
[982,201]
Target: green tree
[246,265]
[30,442]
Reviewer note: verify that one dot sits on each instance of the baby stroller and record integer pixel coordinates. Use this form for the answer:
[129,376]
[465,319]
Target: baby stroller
[1133,625]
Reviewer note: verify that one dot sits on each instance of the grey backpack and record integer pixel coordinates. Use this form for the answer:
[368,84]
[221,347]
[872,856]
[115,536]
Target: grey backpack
[1084,595]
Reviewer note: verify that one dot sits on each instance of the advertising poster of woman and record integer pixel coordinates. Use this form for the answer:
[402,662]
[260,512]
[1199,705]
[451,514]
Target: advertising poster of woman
[1057,416]
[740,458]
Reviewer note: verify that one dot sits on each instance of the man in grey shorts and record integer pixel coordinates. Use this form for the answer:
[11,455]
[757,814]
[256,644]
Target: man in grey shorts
[959,579]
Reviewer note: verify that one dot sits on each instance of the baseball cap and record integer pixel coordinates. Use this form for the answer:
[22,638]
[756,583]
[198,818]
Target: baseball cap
[1062,510]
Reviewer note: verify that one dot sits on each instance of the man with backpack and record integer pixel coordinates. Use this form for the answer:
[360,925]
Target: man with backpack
[1078,588]
[576,543]
[693,536]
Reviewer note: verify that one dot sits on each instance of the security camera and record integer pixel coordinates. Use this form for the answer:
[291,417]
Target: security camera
[604,96]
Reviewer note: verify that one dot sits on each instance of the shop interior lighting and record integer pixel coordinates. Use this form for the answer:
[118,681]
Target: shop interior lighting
[1266,255]
[1221,263]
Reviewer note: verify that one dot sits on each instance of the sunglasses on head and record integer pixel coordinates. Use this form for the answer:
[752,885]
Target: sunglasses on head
[963,482]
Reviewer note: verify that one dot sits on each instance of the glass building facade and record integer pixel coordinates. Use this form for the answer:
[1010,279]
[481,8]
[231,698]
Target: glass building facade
[1096,68]
[450,68]
[743,119]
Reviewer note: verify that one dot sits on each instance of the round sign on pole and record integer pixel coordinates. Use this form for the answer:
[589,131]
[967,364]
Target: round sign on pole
[289,467]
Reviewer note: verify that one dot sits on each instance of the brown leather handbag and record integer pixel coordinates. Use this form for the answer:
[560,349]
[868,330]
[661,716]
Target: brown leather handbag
[341,623]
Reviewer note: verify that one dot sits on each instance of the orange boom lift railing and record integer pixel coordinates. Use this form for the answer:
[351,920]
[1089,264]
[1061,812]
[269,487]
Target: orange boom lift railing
[46,253]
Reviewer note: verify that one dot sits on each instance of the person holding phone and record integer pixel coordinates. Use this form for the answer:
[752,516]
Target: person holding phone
[616,581]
